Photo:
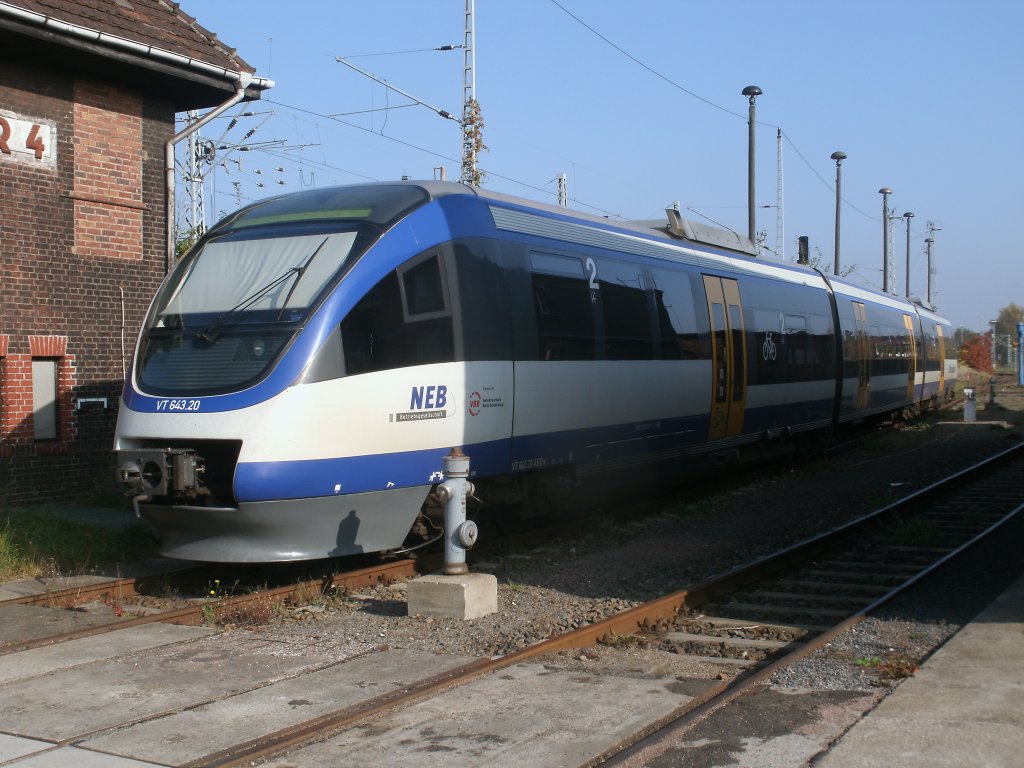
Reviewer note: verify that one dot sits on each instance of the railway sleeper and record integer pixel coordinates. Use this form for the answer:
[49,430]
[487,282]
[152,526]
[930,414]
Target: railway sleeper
[855,601]
[708,648]
[827,587]
[882,580]
[919,553]
[732,642]
[723,622]
[756,609]
[893,570]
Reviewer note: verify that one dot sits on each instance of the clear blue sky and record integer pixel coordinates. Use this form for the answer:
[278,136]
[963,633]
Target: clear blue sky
[922,95]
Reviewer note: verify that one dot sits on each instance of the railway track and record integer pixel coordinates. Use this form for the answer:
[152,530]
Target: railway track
[796,595]
[761,617]
[817,590]
[196,611]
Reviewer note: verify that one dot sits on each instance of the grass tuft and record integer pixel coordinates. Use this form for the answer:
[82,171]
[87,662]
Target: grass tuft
[38,543]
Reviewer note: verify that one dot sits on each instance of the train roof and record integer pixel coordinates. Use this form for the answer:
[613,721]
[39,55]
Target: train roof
[686,240]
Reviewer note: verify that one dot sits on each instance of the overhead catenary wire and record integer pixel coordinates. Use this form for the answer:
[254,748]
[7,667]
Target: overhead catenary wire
[433,153]
[438,110]
[448,47]
[706,101]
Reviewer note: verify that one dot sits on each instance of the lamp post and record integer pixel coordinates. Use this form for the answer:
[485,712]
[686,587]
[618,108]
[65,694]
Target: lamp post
[928,250]
[908,216]
[751,92]
[886,265]
[993,324]
[838,157]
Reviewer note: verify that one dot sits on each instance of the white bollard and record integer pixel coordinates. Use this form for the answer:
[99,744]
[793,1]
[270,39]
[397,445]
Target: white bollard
[970,405]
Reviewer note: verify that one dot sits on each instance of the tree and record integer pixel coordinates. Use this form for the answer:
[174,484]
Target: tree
[1006,320]
[964,334]
[976,352]
[185,241]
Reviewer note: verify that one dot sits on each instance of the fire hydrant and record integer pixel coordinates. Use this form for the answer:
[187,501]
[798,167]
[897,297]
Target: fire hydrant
[459,533]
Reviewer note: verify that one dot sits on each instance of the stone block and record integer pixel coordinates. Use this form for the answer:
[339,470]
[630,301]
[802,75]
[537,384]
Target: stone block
[468,596]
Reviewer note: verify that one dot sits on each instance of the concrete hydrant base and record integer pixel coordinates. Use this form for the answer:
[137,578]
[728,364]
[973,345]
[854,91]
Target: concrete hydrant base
[468,596]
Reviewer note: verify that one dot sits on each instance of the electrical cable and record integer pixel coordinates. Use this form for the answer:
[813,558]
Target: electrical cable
[710,103]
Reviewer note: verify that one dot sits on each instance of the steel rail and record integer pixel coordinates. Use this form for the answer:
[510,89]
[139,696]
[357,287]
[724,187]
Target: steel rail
[84,592]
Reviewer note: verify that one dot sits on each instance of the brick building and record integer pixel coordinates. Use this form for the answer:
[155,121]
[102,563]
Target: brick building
[88,94]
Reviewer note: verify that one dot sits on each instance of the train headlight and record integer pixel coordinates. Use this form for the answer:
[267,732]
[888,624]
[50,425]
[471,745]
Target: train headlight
[258,348]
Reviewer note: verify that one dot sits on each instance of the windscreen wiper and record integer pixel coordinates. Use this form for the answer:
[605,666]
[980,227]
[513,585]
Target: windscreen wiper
[302,271]
[212,332]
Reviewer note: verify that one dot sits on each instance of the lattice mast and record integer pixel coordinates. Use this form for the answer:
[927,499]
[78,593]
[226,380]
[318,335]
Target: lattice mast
[193,178]
[470,110]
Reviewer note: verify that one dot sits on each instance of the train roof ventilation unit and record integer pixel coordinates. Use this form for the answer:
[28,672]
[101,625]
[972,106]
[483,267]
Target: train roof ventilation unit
[696,232]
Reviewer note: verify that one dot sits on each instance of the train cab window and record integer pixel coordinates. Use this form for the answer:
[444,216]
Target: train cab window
[402,321]
[423,289]
[564,307]
[627,324]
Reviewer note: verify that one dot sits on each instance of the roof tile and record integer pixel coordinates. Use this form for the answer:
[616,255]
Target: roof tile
[156,23]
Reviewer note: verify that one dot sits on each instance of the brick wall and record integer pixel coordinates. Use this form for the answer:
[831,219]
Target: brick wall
[81,254]
[107,191]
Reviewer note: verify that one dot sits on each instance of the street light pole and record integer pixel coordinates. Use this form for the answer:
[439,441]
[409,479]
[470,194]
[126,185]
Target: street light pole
[838,157]
[886,265]
[993,324]
[928,249]
[908,216]
[751,92]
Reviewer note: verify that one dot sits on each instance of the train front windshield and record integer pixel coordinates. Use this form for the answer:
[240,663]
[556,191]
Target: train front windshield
[232,305]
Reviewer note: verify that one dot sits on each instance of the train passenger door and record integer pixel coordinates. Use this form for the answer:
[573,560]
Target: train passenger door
[864,355]
[908,323]
[728,357]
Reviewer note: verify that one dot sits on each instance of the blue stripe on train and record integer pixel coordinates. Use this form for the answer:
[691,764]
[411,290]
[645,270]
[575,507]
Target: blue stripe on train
[271,480]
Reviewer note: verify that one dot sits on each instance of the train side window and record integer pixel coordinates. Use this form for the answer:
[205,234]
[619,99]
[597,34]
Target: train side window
[675,318]
[739,368]
[932,362]
[564,307]
[798,348]
[424,292]
[627,323]
[402,321]
[822,341]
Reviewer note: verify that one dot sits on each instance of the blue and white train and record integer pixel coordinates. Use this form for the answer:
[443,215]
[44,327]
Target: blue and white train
[305,368]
